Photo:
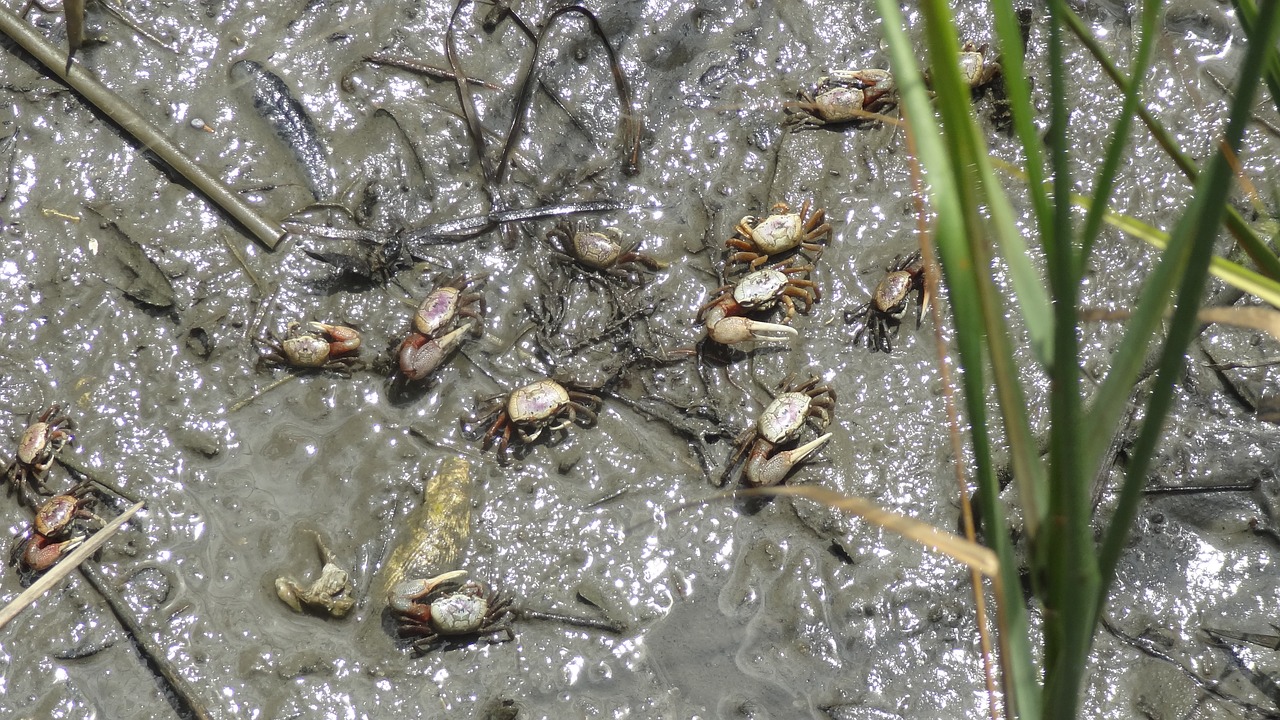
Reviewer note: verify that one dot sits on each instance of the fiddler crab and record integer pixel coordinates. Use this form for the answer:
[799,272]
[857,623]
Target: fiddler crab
[780,424]
[440,609]
[756,241]
[313,346]
[882,315]
[844,96]
[60,525]
[529,410]
[436,331]
[332,592]
[725,315]
[40,443]
[602,250]
[975,69]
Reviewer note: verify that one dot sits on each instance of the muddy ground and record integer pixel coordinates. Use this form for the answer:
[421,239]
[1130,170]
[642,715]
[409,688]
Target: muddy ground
[774,610]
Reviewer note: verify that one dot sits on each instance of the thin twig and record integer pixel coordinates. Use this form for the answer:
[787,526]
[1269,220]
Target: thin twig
[137,126]
[66,566]
[242,403]
[77,469]
[417,66]
[630,126]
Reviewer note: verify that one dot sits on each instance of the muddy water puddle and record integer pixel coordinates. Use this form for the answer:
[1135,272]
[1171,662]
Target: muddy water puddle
[780,609]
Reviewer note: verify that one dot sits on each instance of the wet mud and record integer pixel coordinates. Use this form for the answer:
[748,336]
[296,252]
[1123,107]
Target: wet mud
[730,610]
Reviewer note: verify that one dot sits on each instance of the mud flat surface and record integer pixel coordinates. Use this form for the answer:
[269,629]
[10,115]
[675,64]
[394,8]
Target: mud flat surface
[777,610]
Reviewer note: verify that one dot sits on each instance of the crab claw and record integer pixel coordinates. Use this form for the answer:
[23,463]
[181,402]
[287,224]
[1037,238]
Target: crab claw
[736,329]
[405,595]
[420,355]
[761,471]
[41,553]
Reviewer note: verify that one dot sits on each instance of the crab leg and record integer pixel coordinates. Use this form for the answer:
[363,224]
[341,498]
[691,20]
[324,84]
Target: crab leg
[771,471]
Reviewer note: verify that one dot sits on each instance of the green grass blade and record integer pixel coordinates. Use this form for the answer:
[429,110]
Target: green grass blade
[1018,92]
[1195,232]
[1247,11]
[964,272]
[1064,556]
[971,185]
[1235,275]
[1257,250]
[1105,182]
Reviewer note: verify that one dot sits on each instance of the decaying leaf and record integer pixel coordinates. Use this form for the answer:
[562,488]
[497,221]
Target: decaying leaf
[123,263]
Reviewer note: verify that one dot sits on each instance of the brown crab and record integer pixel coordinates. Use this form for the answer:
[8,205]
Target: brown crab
[452,309]
[313,346]
[756,241]
[602,250]
[725,315]
[434,611]
[527,411]
[781,424]
[40,443]
[881,317]
[844,96]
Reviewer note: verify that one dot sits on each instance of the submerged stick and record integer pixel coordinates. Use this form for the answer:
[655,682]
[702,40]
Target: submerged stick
[66,566]
[141,129]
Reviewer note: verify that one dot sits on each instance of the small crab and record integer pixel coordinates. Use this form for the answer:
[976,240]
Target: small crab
[780,424]
[55,519]
[756,241]
[34,553]
[528,410]
[844,96]
[332,592]
[602,250]
[40,443]
[452,298]
[975,69]
[313,346]
[882,316]
[433,337]
[725,314]
[444,607]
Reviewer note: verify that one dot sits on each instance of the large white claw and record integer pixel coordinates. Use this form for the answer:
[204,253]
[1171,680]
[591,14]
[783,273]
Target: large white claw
[771,471]
[734,330]
[404,594]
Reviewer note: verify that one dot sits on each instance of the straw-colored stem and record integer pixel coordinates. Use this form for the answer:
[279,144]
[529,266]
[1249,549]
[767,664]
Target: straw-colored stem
[141,129]
[66,566]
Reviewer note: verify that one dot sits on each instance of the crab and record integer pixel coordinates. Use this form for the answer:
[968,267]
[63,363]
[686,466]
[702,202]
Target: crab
[756,241]
[529,410]
[56,518]
[40,443]
[439,609]
[725,314]
[55,531]
[313,346]
[433,337]
[882,315]
[452,298]
[975,69]
[332,592]
[34,553]
[602,251]
[844,96]
[780,424]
